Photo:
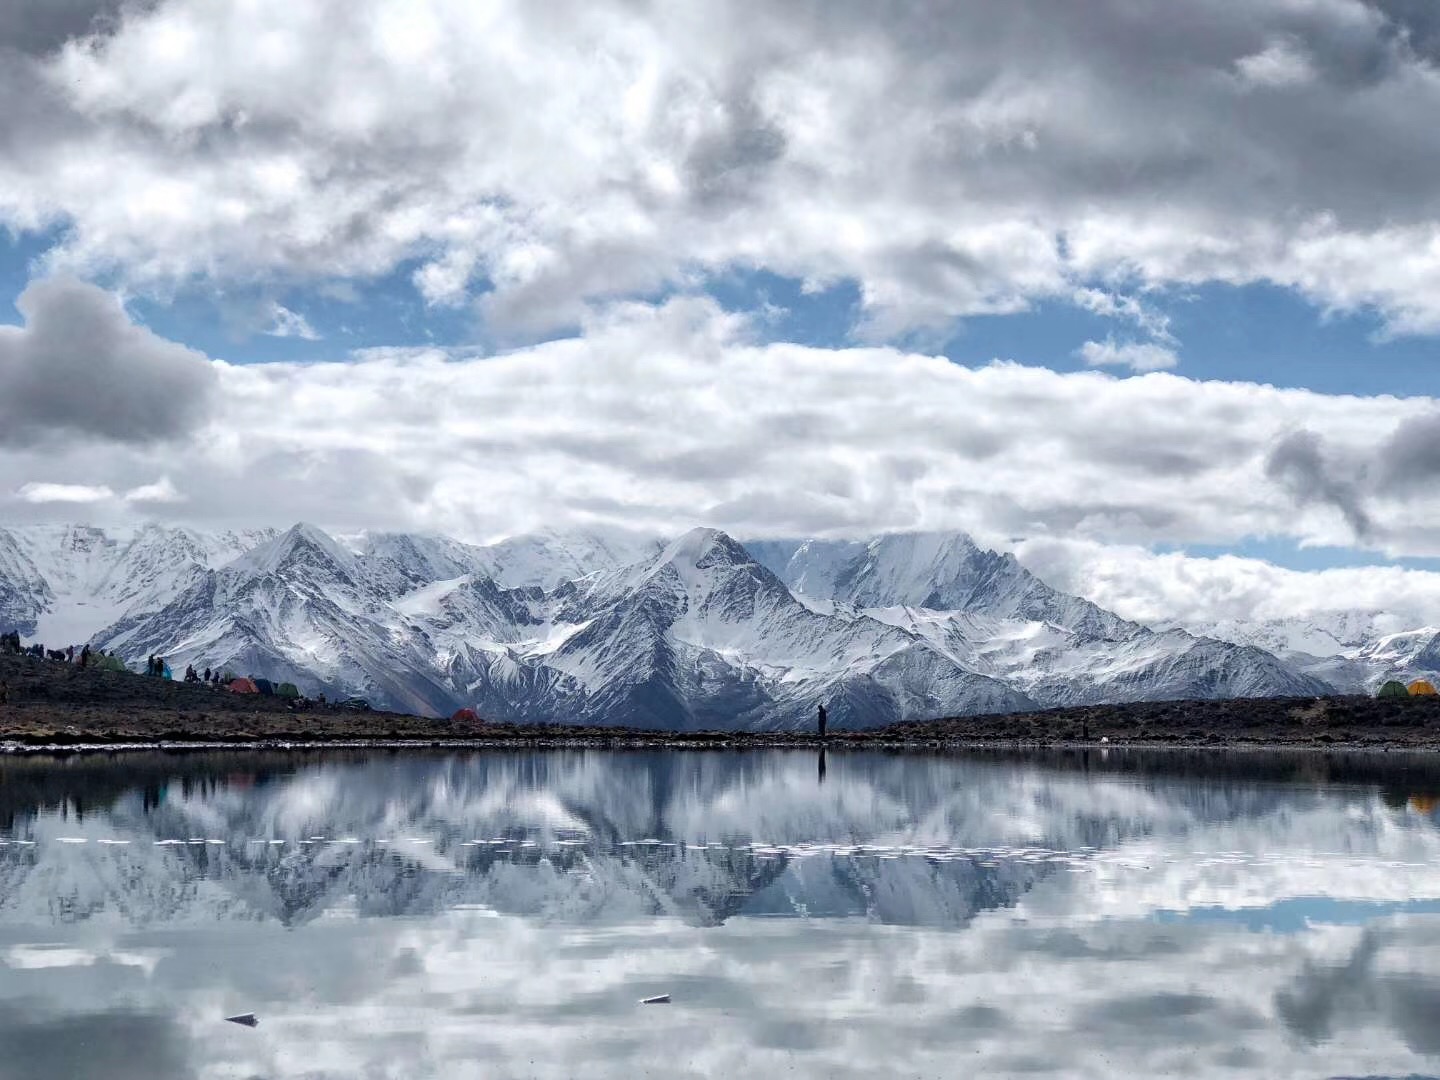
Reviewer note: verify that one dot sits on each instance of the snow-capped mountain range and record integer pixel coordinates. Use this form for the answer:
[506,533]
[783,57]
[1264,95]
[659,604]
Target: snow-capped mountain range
[611,628]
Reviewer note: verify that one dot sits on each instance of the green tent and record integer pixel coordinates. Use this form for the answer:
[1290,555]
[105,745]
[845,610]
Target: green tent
[287,690]
[1393,689]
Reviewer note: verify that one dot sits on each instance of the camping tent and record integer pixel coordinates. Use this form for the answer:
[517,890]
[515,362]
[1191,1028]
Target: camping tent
[265,686]
[466,716]
[287,690]
[243,686]
[1422,688]
[1393,689]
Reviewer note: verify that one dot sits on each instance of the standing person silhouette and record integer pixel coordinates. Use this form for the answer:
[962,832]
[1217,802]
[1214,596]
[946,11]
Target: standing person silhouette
[821,721]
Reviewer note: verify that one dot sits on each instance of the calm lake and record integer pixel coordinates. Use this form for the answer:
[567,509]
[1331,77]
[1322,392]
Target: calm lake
[502,914]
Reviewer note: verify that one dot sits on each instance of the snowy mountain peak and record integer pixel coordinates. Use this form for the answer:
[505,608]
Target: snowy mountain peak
[704,550]
[552,557]
[300,547]
[611,628]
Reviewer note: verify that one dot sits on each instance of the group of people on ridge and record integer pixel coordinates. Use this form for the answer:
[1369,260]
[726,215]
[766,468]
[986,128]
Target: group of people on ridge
[10,646]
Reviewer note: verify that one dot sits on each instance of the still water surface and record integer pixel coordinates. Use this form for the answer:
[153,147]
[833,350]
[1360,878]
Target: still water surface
[466,915]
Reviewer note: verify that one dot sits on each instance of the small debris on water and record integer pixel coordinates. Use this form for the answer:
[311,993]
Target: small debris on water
[247,1019]
[658,999]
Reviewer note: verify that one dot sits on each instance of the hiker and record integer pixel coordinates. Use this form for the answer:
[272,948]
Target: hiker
[206,676]
[70,655]
[821,721]
[150,665]
[190,675]
[85,655]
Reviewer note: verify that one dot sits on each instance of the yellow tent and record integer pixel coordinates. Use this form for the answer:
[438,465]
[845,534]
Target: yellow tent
[1422,688]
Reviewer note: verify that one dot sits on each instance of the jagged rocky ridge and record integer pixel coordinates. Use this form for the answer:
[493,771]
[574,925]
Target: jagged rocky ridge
[702,632]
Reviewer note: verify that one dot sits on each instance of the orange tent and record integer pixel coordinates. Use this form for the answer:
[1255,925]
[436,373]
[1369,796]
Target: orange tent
[1422,688]
[247,686]
[466,716]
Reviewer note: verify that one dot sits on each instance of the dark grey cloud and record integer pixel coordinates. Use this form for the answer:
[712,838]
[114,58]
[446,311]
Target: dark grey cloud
[1411,456]
[1299,464]
[1416,23]
[80,369]
[37,27]
[728,163]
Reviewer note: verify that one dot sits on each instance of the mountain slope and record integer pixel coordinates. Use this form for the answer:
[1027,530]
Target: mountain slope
[992,615]
[600,628]
[62,583]
[702,636]
[297,608]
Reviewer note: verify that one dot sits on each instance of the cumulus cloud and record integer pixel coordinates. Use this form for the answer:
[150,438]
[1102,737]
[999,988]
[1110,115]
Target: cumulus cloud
[1281,63]
[662,416]
[287,323]
[161,491]
[954,159]
[79,368]
[1136,355]
[1117,305]
[36,492]
[1168,588]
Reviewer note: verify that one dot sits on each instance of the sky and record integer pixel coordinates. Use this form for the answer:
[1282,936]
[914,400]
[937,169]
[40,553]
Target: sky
[1147,293]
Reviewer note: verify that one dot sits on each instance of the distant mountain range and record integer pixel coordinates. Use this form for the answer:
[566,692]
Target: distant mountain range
[610,628]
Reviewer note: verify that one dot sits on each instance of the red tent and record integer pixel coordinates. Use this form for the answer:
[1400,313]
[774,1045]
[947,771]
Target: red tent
[243,686]
[465,716]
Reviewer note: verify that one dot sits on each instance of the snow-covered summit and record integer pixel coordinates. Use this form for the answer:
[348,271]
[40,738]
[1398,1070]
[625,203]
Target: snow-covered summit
[617,628]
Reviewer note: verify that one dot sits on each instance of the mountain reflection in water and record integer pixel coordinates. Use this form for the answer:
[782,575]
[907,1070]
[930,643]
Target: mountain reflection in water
[417,915]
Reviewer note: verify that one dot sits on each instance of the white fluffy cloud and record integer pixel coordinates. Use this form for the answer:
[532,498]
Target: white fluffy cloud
[1168,588]
[664,416]
[287,323]
[1136,355]
[40,493]
[954,158]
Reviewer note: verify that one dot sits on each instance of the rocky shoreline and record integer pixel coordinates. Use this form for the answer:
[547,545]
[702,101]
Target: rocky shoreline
[61,706]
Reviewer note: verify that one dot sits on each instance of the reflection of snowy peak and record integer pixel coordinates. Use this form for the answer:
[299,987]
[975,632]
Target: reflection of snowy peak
[586,837]
[610,628]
